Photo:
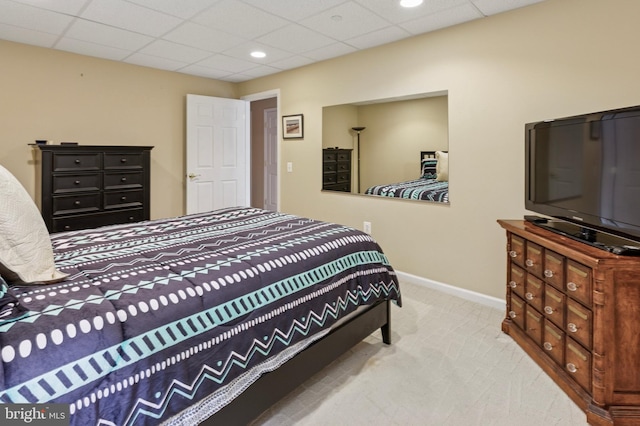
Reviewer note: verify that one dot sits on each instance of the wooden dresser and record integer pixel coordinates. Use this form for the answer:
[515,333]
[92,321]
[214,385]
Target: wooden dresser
[575,310]
[87,186]
[336,169]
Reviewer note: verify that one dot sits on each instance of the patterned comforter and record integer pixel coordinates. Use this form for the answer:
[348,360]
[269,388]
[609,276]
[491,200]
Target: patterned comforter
[419,189]
[168,320]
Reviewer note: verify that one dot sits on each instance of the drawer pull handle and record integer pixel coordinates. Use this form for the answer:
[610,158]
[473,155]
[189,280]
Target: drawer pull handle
[77,182]
[571,286]
[77,161]
[529,296]
[67,227]
[124,179]
[123,198]
[512,314]
[548,273]
[529,262]
[513,253]
[131,218]
[572,367]
[572,327]
[513,284]
[77,203]
[548,310]
[548,346]
[123,160]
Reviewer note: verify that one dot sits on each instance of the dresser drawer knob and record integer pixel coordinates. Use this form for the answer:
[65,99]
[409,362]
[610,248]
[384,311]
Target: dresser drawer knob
[572,367]
[512,314]
[124,179]
[548,346]
[67,227]
[77,161]
[513,253]
[529,262]
[513,284]
[572,327]
[123,160]
[548,310]
[131,219]
[548,273]
[77,182]
[123,198]
[529,296]
[77,203]
[571,286]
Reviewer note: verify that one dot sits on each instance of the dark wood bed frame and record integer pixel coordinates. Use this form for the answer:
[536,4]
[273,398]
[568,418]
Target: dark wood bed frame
[273,386]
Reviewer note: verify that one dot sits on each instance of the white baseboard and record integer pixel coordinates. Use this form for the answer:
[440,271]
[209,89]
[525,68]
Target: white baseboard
[473,296]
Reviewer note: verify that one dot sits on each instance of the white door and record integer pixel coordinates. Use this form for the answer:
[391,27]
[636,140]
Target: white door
[217,153]
[271,159]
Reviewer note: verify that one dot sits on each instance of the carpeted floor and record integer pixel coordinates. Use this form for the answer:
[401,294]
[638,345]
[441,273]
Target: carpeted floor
[449,364]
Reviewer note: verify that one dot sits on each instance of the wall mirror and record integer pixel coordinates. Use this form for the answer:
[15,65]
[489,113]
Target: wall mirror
[377,147]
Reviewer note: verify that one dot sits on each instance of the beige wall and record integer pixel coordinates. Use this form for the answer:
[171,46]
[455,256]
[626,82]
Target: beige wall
[59,96]
[556,58]
[552,59]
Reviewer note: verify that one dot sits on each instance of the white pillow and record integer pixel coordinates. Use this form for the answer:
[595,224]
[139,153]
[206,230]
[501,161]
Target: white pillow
[26,256]
[442,167]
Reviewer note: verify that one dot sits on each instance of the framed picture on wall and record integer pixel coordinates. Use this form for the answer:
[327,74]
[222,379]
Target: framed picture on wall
[292,126]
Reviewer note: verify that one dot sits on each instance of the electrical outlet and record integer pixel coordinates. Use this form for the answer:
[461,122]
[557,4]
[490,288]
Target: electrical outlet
[366,227]
[289,167]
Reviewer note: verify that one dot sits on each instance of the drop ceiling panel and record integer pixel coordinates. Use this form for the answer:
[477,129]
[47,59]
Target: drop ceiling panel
[212,38]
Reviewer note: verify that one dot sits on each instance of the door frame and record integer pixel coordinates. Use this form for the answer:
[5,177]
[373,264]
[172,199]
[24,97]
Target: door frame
[274,93]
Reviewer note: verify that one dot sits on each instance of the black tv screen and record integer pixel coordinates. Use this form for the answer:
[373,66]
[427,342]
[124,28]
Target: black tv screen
[586,169]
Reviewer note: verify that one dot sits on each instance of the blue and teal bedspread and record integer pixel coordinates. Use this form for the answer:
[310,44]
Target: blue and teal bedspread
[168,320]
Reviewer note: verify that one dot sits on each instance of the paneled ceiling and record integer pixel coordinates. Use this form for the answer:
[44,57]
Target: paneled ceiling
[214,38]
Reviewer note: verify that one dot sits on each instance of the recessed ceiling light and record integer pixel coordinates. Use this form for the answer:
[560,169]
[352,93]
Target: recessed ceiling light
[410,3]
[258,54]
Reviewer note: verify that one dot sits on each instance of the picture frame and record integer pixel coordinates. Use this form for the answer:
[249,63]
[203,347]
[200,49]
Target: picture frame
[293,126]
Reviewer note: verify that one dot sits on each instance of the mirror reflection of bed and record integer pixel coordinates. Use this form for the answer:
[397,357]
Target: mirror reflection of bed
[432,183]
[396,133]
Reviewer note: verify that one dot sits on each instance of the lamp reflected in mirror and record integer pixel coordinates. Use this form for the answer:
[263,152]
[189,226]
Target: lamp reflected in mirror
[358,130]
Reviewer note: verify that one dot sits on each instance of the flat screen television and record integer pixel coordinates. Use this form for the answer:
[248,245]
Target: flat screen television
[584,172]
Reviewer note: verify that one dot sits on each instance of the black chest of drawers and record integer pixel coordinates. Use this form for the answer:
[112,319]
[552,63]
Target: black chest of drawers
[336,169]
[88,186]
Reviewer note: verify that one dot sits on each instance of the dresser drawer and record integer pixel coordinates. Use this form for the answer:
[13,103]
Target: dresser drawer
[516,279]
[517,311]
[579,324]
[329,156]
[64,183]
[80,203]
[579,282]
[578,364]
[120,199]
[553,342]
[77,161]
[123,161]
[330,167]
[93,220]
[554,305]
[554,268]
[533,323]
[516,251]
[344,156]
[120,180]
[533,258]
[534,292]
[344,167]
[329,178]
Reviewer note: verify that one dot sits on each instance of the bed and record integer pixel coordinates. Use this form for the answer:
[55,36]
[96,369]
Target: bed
[431,185]
[204,318]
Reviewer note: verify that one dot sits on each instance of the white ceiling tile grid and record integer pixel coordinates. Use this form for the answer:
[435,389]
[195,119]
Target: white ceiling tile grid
[214,38]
